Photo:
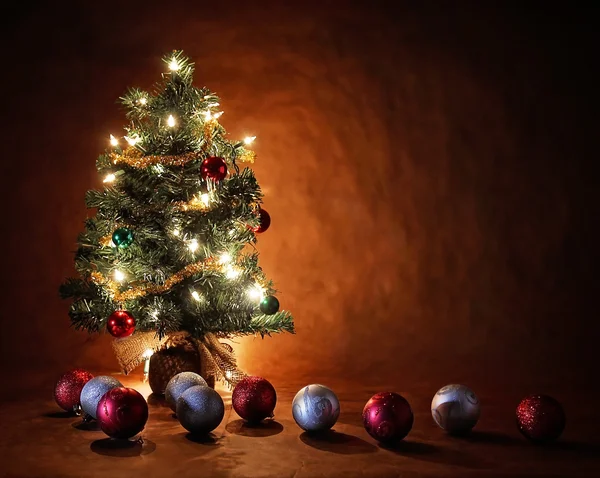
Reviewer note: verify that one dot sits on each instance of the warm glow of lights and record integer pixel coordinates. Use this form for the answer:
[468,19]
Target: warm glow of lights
[205,198]
[213,105]
[109,178]
[232,272]
[249,139]
[193,245]
[143,100]
[148,353]
[225,258]
[228,374]
[207,116]
[217,115]
[196,296]
[174,65]
[176,232]
[256,292]
[119,276]
[170,121]
[131,140]
[114,141]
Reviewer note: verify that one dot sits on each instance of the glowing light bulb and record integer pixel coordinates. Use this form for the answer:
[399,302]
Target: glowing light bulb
[196,296]
[207,116]
[114,141]
[205,199]
[170,121]
[225,258]
[148,353]
[109,178]
[174,65]
[228,374]
[256,292]
[232,272]
[176,232]
[143,100]
[213,105]
[249,139]
[193,245]
[217,115]
[131,140]
[119,276]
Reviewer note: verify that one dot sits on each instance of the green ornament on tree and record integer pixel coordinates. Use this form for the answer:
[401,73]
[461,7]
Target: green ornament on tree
[269,305]
[122,237]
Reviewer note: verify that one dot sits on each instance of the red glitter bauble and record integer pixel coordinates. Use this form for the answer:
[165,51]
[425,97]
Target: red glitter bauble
[264,221]
[214,168]
[387,417]
[68,388]
[540,418]
[122,412]
[120,324]
[254,399]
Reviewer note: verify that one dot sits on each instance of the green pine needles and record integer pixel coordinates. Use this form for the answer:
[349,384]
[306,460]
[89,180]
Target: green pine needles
[172,241]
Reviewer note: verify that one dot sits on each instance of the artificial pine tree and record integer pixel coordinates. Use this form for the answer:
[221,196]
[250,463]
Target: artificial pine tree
[170,251]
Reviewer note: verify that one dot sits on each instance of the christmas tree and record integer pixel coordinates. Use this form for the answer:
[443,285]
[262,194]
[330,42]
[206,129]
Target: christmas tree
[170,249]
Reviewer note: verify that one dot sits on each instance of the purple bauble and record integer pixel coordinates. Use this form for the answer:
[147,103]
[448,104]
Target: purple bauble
[122,412]
[387,417]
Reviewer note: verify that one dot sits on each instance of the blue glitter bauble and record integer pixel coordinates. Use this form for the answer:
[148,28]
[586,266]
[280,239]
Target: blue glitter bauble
[94,390]
[179,384]
[200,410]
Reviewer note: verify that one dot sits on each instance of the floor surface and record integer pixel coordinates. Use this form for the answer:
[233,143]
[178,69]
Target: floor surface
[38,440]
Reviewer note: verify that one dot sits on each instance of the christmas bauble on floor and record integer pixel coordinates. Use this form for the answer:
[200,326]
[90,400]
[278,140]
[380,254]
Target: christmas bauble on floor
[93,391]
[455,408]
[387,417]
[315,408]
[165,364]
[122,412]
[540,418]
[200,410]
[179,384]
[67,390]
[254,399]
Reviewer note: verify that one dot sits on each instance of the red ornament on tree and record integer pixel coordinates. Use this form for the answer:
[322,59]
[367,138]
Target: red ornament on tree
[120,324]
[264,221]
[254,399]
[68,388]
[213,168]
[387,417]
[122,412]
[540,418]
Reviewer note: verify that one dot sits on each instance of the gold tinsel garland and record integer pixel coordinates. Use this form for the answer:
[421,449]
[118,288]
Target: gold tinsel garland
[134,293]
[133,157]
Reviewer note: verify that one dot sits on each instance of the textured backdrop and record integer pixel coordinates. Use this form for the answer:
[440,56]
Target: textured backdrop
[428,171]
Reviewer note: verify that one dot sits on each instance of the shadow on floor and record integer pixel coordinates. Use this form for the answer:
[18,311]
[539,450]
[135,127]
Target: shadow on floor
[494,438]
[122,448]
[209,439]
[433,453]
[265,428]
[59,415]
[335,442]
[88,426]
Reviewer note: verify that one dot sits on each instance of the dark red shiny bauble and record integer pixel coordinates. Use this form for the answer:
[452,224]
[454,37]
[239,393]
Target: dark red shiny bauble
[122,412]
[68,388]
[120,324]
[254,399]
[540,418]
[214,168]
[264,221]
[387,417]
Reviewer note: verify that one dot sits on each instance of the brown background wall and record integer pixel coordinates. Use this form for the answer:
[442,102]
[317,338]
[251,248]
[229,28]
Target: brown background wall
[428,172]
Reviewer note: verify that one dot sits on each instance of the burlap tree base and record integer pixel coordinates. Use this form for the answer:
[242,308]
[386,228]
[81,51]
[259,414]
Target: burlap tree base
[175,353]
[165,364]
